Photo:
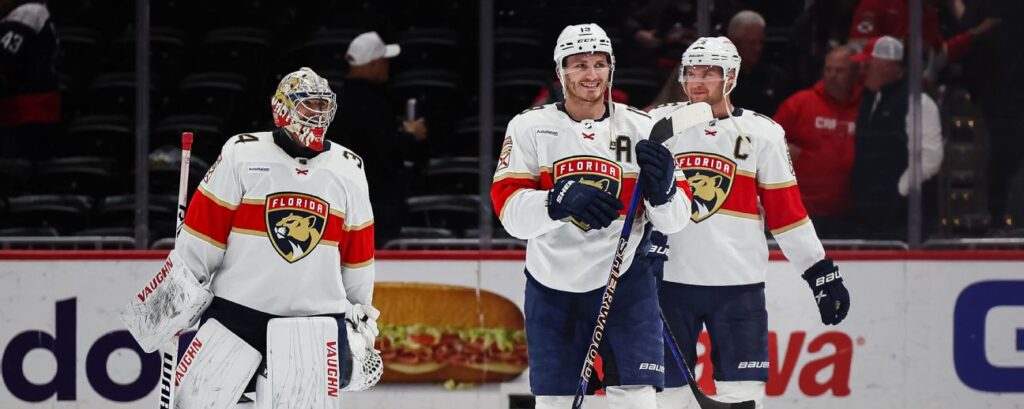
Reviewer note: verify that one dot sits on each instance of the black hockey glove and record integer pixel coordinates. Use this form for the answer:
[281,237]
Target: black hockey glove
[657,168]
[657,247]
[587,204]
[829,292]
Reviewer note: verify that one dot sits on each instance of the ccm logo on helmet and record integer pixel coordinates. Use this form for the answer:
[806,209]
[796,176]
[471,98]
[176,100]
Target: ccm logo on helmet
[828,278]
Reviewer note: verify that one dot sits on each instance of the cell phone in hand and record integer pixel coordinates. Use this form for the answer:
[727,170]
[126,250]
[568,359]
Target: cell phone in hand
[410,109]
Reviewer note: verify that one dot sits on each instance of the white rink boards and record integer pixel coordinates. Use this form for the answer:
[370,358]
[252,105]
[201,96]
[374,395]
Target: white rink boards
[925,330]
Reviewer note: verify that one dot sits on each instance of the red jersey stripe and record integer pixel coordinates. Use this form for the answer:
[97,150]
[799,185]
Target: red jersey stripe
[505,187]
[782,207]
[251,216]
[684,186]
[356,246]
[209,217]
[742,196]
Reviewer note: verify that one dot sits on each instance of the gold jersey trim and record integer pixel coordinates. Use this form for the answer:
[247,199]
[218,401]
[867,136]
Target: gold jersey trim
[358,265]
[791,226]
[203,237]
[779,185]
[217,200]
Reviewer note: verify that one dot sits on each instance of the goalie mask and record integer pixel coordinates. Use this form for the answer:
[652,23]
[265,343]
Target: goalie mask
[715,52]
[304,106]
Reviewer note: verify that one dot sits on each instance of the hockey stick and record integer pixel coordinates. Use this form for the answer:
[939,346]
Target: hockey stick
[663,129]
[702,400]
[169,351]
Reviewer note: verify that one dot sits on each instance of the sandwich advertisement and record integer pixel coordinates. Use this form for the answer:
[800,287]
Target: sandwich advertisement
[921,333]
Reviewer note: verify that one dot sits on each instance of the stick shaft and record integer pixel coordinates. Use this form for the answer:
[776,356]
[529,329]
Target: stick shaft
[606,300]
[169,351]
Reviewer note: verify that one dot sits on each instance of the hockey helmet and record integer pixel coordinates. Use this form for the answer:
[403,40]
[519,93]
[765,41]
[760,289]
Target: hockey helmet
[579,39]
[304,106]
[712,51]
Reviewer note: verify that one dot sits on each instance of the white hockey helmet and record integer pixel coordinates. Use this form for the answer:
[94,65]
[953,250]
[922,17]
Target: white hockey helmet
[295,111]
[579,39]
[712,51]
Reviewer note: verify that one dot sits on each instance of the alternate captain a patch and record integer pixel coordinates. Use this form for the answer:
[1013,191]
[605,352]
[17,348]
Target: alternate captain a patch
[590,170]
[295,223]
[710,177]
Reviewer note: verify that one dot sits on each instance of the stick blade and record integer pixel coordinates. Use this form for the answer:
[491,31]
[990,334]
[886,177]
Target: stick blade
[685,117]
[707,403]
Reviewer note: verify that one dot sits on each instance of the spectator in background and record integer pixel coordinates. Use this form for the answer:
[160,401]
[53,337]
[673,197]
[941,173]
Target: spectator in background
[662,29]
[875,18]
[768,84]
[881,174]
[820,123]
[367,124]
[822,26]
[30,96]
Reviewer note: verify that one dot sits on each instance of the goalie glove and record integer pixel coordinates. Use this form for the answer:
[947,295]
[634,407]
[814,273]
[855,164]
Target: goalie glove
[363,318]
[830,294]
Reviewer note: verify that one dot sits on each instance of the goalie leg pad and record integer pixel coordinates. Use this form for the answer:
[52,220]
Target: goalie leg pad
[306,362]
[215,369]
[171,301]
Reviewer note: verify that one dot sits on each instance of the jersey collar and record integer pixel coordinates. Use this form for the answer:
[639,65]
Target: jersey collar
[561,107]
[285,142]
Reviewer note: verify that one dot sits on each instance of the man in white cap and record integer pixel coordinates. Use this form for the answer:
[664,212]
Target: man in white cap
[366,124]
[881,174]
[368,56]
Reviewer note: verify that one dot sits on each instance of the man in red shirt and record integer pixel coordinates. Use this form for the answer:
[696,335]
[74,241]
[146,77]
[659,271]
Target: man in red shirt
[876,18]
[819,123]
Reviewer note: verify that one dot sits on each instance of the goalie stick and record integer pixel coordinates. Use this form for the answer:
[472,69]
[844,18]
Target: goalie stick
[169,351]
[663,129]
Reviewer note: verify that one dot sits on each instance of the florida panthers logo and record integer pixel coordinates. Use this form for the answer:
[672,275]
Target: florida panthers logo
[295,223]
[588,170]
[710,177]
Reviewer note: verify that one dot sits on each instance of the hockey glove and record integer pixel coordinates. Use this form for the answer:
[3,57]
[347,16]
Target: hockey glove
[829,292]
[586,203]
[657,168]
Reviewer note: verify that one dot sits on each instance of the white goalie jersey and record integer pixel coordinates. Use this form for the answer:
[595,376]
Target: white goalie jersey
[285,236]
[543,145]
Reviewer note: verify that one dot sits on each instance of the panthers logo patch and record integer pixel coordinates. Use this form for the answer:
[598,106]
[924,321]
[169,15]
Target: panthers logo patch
[710,177]
[295,223]
[589,170]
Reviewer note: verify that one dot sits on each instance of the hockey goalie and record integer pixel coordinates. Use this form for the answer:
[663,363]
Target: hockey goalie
[275,263]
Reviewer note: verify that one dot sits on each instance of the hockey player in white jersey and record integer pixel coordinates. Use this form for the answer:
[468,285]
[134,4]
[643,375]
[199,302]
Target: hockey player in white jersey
[564,175]
[280,231]
[739,169]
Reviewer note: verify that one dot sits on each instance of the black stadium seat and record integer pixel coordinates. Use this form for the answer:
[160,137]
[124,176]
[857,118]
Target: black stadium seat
[239,49]
[453,212]
[516,90]
[15,175]
[83,175]
[107,135]
[66,213]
